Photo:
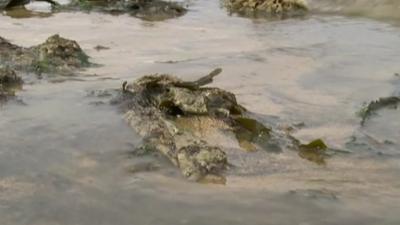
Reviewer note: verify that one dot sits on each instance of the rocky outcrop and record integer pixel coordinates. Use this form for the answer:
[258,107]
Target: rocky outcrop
[168,113]
[56,55]
[152,10]
[275,8]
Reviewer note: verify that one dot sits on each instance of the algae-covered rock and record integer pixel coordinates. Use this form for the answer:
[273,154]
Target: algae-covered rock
[197,160]
[9,82]
[280,8]
[315,151]
[4,3]
[251,133]
[178,97]
[152,10]
[174,116]
[58,53]
[57,56]
[8,77]
[163,109]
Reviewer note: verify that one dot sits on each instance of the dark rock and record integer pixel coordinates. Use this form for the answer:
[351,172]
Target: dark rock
[56,55]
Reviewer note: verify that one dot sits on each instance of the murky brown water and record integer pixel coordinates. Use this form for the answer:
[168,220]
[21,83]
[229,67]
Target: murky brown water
[64,160]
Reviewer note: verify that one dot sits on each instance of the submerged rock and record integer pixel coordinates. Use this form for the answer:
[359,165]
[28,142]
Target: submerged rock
[12,3]
[172,116]
[56,55]
[8,77]
[315,151]
[155,103]
[275,8]
[9,82]
[152,10]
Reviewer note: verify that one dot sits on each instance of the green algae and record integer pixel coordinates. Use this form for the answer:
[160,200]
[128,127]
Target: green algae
[371,109]
[252,134]
[57,55]
[315,151]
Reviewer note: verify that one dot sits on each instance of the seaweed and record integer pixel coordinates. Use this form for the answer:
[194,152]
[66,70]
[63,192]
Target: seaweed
[315,151]
[250,133]
[373,107]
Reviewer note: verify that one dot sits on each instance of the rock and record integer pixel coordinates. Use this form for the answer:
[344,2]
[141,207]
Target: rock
[8,77]
[164,110]
[152,10]
[57,55]
[277,8]
[197,160]
[174,116]
[9,82]
[315,151]
[4,3]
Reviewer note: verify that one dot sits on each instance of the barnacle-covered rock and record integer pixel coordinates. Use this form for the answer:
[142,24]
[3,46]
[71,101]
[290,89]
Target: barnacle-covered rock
[199,159]
[178,119]
[170,113]
[61,54]
[280,8]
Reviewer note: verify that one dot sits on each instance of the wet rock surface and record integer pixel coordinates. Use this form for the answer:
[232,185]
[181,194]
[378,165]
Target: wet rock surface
[56,55]
[268,8]
[172,116]
[9,82]
[8,77]
[153,10]
[4,3]
[154,102]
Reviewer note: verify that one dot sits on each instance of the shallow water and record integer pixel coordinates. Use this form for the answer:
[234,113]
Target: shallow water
[379,9]
[65,160]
